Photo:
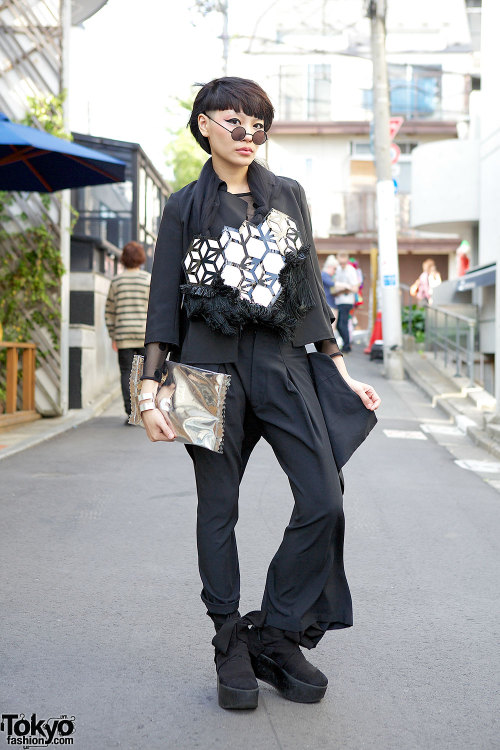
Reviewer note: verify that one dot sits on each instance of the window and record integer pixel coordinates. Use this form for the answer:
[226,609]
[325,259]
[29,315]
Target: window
[319,84]
[361,150]
[292,83]
[415,91]
[305,92]
[407,148]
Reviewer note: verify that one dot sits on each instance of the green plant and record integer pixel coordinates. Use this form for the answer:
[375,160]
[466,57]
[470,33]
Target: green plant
[30,260]
[183,153]
[417,322]
[47,111]
[30,273]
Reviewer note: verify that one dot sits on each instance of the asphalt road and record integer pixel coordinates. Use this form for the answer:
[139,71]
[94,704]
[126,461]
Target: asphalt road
[101,617]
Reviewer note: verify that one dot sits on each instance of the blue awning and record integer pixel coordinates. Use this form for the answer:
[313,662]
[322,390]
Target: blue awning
[483,276]
[33,160]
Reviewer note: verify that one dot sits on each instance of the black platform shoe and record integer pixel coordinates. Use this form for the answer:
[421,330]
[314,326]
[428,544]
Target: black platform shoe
[278,660]
[236,683]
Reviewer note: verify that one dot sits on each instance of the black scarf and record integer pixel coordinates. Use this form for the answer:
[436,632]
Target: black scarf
[206,199]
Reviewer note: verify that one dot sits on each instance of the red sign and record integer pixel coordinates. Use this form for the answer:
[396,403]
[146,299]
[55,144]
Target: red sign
[395,152]
[394,126]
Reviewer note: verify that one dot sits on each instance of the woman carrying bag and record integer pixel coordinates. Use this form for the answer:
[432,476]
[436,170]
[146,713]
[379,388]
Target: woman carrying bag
[236,288]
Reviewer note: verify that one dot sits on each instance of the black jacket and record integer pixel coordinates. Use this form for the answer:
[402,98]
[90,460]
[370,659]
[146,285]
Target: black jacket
[194,340]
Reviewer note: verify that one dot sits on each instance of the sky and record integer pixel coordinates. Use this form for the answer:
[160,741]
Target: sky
[127,67]
[132,58]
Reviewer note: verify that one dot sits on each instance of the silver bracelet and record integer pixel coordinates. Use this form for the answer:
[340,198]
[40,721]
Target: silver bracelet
[147,396]
[147,406]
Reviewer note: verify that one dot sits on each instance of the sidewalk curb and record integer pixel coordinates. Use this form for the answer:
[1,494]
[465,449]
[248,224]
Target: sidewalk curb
[74,418]
[471,427]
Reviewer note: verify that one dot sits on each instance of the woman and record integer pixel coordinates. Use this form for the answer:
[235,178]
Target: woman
[428,280]
[434,280]
[236,288]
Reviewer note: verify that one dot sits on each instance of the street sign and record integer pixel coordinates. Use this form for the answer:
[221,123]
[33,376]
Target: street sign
[395,152]
[394,126]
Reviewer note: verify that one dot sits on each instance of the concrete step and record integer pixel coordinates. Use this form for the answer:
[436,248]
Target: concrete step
[472,408]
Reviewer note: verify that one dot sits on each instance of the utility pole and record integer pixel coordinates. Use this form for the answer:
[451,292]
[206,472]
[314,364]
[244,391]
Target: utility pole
[225,34]
[65,214]
[218,6]
[387,235]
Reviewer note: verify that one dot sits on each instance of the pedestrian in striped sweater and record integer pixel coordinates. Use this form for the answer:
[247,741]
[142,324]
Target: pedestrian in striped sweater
[126,312]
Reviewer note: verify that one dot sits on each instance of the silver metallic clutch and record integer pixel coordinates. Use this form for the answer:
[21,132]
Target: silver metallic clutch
[194,400]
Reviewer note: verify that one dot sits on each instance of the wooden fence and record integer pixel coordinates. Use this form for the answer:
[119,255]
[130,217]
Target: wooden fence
[12,414]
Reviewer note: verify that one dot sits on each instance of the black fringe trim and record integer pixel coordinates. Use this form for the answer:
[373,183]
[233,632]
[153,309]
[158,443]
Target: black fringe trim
[222,309]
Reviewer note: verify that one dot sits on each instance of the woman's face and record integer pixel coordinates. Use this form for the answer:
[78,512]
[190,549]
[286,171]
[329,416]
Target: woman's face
[236,153]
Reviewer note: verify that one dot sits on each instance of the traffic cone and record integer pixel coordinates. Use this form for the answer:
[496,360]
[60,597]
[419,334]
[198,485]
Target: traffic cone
[376,333]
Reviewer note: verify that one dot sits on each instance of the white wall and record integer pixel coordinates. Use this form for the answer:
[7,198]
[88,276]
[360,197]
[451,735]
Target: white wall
[489,240]
[99,370]
[489,225]
[321,164]
[445,185]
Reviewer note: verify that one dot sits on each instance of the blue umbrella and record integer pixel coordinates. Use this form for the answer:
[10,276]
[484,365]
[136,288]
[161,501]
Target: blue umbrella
[33,160]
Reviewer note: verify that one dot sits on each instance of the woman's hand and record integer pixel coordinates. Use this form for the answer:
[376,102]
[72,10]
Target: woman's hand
[367,393]
[158,426]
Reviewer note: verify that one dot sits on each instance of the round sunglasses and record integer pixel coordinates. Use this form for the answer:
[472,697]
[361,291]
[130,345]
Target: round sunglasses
[238,133]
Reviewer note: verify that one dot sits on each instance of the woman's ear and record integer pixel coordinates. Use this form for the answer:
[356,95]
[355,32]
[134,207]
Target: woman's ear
[202,124]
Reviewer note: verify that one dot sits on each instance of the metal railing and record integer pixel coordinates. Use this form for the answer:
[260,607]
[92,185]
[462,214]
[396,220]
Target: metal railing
[457,337]
[454,336]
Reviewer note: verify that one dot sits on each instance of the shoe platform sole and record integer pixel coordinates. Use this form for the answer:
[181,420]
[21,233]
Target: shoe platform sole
[290,687]
[236,698]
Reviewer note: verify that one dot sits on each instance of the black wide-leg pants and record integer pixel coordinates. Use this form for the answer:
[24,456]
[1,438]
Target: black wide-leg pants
[272,394]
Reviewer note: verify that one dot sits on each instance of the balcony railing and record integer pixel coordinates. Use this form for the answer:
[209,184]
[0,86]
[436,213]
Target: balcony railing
[356,213]
[115,229]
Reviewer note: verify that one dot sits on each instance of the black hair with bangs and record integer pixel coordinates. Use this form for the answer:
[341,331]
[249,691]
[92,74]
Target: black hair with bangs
[230,92]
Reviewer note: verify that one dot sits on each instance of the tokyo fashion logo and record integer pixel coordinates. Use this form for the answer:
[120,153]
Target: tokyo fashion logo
[36,732]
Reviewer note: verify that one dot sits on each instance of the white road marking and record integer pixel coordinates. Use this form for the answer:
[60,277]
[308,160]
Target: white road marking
[442,429]
[487,467]
[405,434]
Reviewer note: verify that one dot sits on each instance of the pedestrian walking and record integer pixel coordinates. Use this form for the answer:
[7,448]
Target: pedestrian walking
[327,276]
[346,285]
[236,288]
[428,280]
[126,312]
[434,280]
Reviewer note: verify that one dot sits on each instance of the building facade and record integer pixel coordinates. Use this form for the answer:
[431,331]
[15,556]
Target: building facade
[464,198]
[317,69]
[109,216]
